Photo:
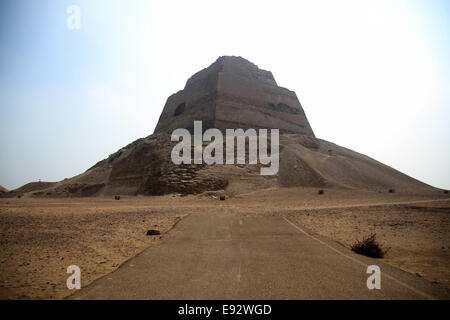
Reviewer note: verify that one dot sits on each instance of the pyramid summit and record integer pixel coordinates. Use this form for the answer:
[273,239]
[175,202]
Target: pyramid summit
[234,93]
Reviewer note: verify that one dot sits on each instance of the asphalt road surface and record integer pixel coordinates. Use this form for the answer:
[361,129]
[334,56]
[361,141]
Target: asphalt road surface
[220,255]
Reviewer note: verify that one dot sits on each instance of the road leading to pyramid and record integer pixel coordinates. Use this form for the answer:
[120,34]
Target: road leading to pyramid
[219,255]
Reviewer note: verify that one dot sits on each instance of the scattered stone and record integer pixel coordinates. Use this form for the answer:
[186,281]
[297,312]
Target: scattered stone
[117,197]
[419,275]
[391,190]
[153,232]
[321,191]
[222,198]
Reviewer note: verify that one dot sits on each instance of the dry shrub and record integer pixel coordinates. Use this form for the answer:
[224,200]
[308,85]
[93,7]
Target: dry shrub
[369,247]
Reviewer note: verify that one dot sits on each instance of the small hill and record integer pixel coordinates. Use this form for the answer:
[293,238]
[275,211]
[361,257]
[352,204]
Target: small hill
[30,188]
[34,186]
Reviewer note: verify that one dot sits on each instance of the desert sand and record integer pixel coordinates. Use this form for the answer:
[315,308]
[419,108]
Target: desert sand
[416,236]
[40,237]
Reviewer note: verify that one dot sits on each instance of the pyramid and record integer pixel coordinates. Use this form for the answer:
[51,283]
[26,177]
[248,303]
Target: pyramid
[231,93]
[234,93]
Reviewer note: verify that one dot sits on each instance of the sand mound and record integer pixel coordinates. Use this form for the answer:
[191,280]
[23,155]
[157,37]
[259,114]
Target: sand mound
[29,188]
[144,167]
[34,186]
[313,162]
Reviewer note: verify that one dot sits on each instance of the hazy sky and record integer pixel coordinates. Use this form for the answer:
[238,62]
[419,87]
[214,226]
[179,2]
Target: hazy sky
[372,76]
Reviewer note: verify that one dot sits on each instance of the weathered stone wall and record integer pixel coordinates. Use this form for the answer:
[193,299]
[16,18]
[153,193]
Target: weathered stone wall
[248,103]
[244,68]
[234,93]
[198,96]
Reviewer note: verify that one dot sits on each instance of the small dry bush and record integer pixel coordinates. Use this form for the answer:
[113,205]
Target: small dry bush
[369,247]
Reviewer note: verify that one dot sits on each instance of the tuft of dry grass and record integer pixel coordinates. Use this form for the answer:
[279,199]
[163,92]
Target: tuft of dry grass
[369,247]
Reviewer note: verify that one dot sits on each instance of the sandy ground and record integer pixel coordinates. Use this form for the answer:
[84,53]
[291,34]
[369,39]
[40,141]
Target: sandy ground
[417,236]
[40,238]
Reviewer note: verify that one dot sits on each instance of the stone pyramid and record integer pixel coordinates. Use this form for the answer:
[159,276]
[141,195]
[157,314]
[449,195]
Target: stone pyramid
[231,93]
[234,93]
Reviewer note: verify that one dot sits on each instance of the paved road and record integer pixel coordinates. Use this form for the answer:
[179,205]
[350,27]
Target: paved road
[218,255]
